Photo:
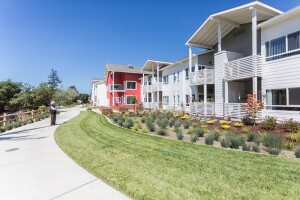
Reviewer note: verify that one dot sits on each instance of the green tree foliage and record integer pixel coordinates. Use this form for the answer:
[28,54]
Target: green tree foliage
[66,97]
[8,90]
[53,79]
[84,98]
[43,95]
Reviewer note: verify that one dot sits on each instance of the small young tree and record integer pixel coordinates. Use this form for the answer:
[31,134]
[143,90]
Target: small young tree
[253,106]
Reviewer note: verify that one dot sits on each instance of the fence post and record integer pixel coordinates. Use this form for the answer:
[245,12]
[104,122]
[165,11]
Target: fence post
[32,115]
[21,116]
[4,119]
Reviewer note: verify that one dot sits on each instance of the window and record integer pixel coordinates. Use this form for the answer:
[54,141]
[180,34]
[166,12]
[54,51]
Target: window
[294,41]
[294,96]
[187,100]
[166,79]
[285,46]
[276,46]
[174,76]
[276,97]
[174,100]
[130,99]
[178,99]
[193,69]
[117,87]
[131,85]
[118,100]
[187,73]
[178,76]
[166,100]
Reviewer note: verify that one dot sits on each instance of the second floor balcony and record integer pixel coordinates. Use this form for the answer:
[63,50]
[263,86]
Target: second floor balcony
[152,86]
[203,76]
[247,67]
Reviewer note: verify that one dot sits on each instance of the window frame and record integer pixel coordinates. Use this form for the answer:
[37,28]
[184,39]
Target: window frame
[129,96]
[126,82]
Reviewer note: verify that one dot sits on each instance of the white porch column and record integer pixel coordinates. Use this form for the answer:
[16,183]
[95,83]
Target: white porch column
[152,95]
[157,81]
[143,85]
[113,86]
[183,88]
[219,37]
[254,47]
[205,92]
[190,68]
[226,92]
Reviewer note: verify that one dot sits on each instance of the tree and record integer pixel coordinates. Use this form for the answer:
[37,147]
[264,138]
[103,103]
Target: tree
[84,98]
[253,106]
[8,90]
[74,88]
[53,79]
[65,97]
[42,95]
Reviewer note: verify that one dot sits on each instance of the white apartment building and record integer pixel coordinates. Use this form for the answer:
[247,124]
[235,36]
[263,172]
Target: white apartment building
[98,93]
[280,45]
[234,37]
[250,48]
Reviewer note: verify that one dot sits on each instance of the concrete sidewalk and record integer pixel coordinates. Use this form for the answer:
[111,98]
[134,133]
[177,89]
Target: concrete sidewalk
[32,166]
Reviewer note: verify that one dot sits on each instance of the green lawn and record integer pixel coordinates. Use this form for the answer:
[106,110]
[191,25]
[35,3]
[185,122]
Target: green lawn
[147,167]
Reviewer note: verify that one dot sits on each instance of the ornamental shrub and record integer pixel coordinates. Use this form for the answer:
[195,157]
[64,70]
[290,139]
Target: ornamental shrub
[297,152]
[209,139]
[199,131]
[194,137]
[269,123]
[186,125]
[179,134]
[291,126]
[171,122]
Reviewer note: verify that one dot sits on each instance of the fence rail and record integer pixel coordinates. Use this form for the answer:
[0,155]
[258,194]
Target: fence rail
[20,116]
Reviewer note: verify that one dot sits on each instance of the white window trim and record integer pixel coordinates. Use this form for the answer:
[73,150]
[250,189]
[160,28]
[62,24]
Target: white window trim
[125,100]
[286,46]
[131,82]
[164,102]
[167,79]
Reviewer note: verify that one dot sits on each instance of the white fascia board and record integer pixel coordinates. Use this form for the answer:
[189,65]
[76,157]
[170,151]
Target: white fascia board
[279,17]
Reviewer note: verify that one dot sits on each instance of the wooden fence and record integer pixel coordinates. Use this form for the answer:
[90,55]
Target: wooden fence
[5,118]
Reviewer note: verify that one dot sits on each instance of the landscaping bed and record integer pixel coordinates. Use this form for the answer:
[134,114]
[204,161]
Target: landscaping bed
[147,167]
[268,137]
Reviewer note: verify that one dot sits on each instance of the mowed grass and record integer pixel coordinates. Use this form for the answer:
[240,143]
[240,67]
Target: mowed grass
[147,167]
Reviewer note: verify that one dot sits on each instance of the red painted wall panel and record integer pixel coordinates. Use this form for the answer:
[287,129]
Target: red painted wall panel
[120,78]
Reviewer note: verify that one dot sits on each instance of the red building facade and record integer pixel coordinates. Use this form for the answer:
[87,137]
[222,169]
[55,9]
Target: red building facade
[123,85]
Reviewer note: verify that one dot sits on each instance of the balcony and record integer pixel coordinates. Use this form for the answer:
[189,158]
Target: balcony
[203,76]
[157,86]
[242,68]
[118,88]
[234,110]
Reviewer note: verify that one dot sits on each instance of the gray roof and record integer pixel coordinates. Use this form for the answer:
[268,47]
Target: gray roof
[124,68]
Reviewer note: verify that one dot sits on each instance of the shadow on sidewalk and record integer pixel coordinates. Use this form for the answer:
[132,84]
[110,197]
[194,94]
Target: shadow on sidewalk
[25,130]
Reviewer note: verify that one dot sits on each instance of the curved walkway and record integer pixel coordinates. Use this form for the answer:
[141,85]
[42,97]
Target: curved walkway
[32,166]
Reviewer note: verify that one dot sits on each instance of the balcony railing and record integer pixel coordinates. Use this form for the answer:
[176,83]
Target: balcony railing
[147,88]
[157,86]
[202,108]
[246,67]
[203,76]
[118,88]
[235,110]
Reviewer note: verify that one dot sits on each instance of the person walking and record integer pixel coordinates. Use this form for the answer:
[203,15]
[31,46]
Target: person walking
[53,113]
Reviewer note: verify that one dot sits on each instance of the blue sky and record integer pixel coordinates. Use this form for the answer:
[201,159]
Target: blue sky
[77,38]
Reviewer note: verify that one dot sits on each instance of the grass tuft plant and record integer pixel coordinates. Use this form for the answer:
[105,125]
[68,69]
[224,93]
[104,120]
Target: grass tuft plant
[209,139]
